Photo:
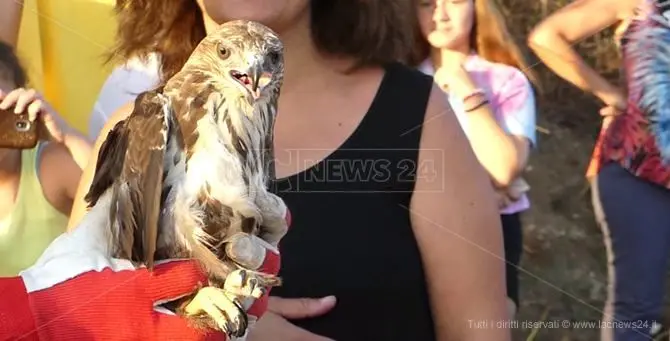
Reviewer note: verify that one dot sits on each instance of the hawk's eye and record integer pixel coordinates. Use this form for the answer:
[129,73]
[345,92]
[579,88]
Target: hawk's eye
[273,57]
[224,52]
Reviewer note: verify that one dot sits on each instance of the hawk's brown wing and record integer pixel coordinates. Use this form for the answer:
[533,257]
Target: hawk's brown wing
[130,162]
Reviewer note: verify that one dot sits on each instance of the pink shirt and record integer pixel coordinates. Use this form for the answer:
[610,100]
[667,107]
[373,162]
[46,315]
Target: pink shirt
[511,97]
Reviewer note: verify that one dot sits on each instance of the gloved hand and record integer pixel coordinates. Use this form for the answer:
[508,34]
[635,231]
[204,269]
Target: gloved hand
[96,305]
[75,292]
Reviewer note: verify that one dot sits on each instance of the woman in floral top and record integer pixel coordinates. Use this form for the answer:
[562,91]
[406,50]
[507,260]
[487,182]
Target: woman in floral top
[631,163]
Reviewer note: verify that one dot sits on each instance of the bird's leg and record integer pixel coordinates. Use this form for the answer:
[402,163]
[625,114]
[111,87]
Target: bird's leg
[223,304]
[274,211]
[214,308]
[225,309]
[249,252]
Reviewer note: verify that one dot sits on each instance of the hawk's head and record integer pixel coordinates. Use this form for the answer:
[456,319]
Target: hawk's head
[242,59]
[231,85]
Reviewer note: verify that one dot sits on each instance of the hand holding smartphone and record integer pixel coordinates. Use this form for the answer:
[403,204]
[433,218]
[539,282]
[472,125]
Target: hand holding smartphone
[17,131]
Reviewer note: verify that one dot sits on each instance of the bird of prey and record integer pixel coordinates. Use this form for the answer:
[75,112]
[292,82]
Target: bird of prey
[186,175]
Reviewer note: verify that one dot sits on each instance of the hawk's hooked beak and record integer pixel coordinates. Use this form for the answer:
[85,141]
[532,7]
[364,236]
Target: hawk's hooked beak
[254,79]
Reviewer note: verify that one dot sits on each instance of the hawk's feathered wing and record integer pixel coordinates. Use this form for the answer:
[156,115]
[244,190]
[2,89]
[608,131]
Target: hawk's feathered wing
[131,165]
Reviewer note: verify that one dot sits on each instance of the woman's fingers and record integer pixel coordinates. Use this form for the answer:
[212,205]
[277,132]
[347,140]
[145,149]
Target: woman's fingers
[34,109]
[10,99]
[609,111]
[24,99]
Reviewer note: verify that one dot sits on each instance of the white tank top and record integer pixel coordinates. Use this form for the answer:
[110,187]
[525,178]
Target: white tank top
[122,86]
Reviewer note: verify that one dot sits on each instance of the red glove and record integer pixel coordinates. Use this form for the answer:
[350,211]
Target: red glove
[105,305]
[74,292]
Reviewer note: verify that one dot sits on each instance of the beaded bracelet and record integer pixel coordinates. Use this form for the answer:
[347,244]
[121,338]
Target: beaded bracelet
[474,93]
[481,104]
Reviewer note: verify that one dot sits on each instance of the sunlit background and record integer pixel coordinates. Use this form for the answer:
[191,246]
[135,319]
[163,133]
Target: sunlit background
[73,35]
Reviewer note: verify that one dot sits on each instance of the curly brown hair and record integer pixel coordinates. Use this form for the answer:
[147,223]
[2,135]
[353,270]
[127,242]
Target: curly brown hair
[373,32]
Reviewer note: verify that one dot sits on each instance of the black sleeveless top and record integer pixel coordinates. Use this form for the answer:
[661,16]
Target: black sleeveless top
[351,234]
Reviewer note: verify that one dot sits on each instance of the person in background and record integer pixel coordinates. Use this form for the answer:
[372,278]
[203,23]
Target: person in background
[381,253]
[630,173]
[62,44]
[480,69]
[37,185]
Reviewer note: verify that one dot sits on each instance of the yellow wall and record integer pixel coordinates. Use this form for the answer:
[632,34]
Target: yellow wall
[62,43]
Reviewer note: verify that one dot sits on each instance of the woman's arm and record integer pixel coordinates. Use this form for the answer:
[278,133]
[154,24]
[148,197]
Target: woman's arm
[75,151]
[30,101]
[64,160]
[79,205]
[59,176]
[551,41]
[77,145]
[68,155]
[10,21]
[503,151]
[457,227]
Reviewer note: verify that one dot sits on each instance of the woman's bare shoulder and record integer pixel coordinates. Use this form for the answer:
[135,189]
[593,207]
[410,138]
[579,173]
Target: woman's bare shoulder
[119,115]
[123,84]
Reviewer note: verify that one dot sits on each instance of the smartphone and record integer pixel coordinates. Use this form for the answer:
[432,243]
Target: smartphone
[16,131]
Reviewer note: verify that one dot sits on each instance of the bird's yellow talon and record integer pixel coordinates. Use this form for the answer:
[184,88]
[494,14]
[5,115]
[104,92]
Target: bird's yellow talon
[222,308]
